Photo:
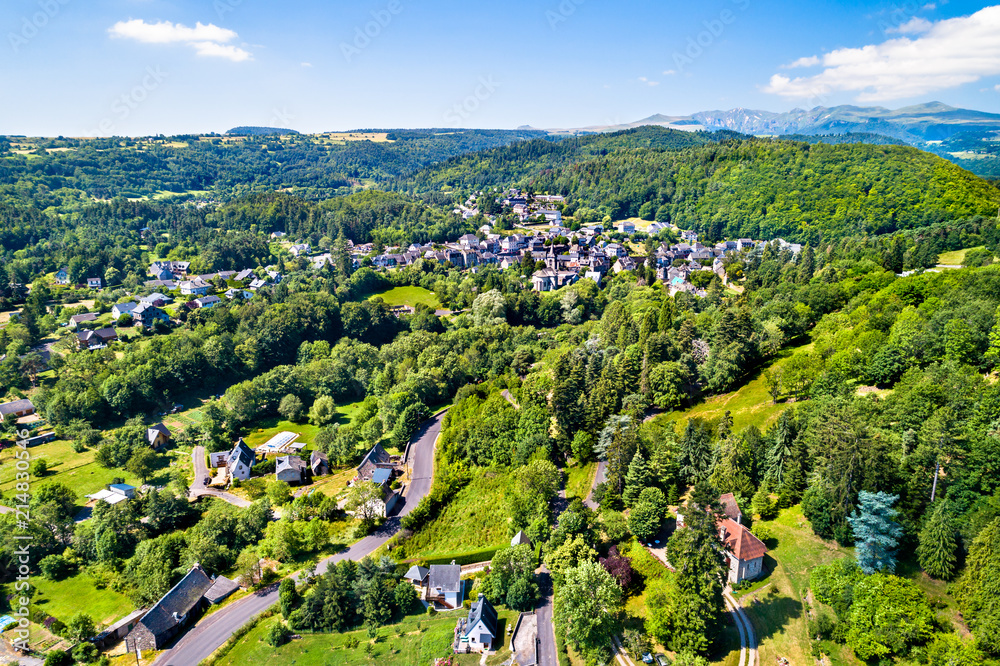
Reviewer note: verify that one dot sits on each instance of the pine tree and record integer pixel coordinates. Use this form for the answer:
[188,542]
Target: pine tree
[696,451]
[876,532]
[807,264]
[638,478]
[938,545]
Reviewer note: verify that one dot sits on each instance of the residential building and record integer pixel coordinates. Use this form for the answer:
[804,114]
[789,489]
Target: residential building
[241,460]
[689,236]
[244,275]
[624,264]
[293,470]
[442,586]
[221,588]
[94,283]
[119,309]
[158,435]
[172,613]
[626,227]
[206,302]
[377,458]
[299,249]
[196,287]
[478,632]
[99,338]
[146,314]
[319,463]
[157,299]
[76,320]
[16,409]
[744,552]
[62,276]
[520,539]
[242,294]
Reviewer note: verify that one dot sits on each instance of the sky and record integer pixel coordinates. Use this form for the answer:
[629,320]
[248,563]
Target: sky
[142,67]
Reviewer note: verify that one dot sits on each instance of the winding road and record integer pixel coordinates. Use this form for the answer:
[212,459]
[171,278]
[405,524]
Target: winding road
[209,634]
[201,472]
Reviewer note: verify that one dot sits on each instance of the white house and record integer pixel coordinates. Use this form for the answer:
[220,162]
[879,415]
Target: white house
[626,227]
[94,283]
[744,552]
[195,287]
[478,632]
[62,276]
[241,460]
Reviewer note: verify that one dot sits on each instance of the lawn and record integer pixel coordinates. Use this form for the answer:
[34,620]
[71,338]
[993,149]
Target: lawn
[417,639]
[268,428]
[751,404]
[63,599]
[411,296]
[579,479]
[779,617]
[470,528]
[956,257]
[76,470]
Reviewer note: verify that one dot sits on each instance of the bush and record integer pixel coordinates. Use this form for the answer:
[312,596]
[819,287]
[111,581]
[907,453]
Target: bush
[764,533]
[85,653]
[58,658]
[352,642]
[255,487]
[56,567]
[39,467]
[278,634]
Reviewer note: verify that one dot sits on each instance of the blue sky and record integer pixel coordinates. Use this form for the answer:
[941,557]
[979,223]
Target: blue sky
[102,67]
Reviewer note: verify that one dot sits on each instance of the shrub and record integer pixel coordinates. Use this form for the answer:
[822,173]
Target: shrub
[764,533]
[278,634]
[85,653]
[55,567]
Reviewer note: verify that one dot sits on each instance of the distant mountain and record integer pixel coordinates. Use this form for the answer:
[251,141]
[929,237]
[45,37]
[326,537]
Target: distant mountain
[913,124]
[244,130]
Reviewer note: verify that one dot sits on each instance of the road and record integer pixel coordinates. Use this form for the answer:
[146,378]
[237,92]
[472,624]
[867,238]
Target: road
[546,628]
[205,637]
[599,477]
[200,474]
[748,639]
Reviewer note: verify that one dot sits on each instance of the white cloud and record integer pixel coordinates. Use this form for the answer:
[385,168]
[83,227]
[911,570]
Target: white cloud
[669,72]
[643,79]
[951,53]
[929,7]
[806,61]
[914,26]
[207,40]
[997,88]
[306,64]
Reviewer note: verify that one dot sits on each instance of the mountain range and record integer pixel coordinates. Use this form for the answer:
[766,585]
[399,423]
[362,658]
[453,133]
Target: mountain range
[917,124]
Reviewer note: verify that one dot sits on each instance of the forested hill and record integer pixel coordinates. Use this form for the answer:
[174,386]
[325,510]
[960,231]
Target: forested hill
[760,188]
[520,161]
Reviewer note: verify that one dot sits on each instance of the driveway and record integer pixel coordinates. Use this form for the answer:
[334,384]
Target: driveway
[546,628]
[205,637]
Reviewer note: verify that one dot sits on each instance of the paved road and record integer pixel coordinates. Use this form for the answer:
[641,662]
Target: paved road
[200,473]
[599,477]
[213,631]
[748,639]
[546,628]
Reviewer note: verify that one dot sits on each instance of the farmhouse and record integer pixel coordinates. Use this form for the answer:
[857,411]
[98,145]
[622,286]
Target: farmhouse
[241,460]
[439,585]
[158,435]
[16,409]
[744,552]
[171,613]
[76,320]
[291,469]
[377,458]
[478,632]
[99,338]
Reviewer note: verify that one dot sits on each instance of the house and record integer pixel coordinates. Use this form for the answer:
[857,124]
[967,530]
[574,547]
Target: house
[318,463]
[377,458]
[62,276]
[744,244]
[244,275]
[299,250]
[241,459]
[744,552]
[293,470]
[16,409]
[239,293]
[157,299]
[549,279]
[158,435]
[443,586]
[120,309]
[171,613]
[99,338]
[388,498]
[626,227]
[123,489]
[520,539]
[146,314]
[118,630]
[196,287]
[624,264]
[76,320]
[221,588]
[206,302]
[689,236]
[731,508]
[278,234]
[94,283]
[478,632]
[258,283]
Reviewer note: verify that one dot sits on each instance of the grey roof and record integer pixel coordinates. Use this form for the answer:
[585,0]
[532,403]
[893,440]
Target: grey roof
[86,316]
[124,307]
[153,430]
[380,476]
[483,610]
[520,538]
[376,455]
[294,463]
[221,588]
[16,406]
[446,576]
[416,573]
[243,453]
[179,601]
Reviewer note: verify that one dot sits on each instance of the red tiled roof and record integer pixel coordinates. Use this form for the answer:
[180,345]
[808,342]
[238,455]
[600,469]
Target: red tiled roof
[740,542]
[729,506]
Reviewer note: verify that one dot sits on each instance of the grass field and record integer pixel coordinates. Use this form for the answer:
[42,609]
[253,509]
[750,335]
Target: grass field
[411,296]
[417,639]
[956,257]
[779,618]
[268,428]
[751,404]
[63,599]
[472,525]
[76,470]
[579,479]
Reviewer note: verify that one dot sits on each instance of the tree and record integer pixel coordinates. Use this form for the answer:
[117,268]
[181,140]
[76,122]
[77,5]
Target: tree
[323,411]
[489,308]
[39,467]
[364,499]
[587,606]
[639,477]
[141,463]
[876,532]
[248,570]
[291,408]
[773,382]
[647,515]
[511,578]
[762,504]
[288,597]
[937,551]
[279,493]
[80,627]
[978,589]
[278,634]
[889,614]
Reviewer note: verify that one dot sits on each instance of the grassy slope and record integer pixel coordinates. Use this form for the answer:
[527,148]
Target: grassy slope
[417,639]
[409,296]
[579,479]
[473,524]
[63,599]
[750,404]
